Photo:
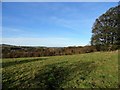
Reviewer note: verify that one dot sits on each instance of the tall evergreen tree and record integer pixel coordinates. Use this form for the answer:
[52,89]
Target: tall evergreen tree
[105,30]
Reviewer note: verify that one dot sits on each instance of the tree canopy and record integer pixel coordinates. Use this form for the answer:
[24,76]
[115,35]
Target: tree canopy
[105,30]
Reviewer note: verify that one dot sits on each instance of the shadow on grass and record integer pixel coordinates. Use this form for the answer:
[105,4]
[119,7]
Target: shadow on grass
[22,62]
[53,76]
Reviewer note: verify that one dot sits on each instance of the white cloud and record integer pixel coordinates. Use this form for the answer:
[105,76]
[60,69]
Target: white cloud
[16,32]
[74,24]
[6,29]
[50,42]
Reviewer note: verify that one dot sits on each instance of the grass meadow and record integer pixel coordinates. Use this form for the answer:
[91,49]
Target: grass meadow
[90,70]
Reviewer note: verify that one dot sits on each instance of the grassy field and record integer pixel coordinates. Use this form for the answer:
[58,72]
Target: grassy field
[91,70]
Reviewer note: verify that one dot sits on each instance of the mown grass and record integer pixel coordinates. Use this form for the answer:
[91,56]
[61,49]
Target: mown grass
[91,70]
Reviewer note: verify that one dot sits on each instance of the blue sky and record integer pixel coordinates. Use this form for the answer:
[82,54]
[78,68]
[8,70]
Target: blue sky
[50,24]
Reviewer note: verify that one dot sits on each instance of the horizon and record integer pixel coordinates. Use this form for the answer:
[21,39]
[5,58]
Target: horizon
[50,24]
[40,46]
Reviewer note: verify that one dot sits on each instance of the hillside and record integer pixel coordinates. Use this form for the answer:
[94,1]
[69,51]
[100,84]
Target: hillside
[91,70]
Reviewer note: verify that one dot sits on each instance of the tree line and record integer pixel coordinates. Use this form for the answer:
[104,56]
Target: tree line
[9,51]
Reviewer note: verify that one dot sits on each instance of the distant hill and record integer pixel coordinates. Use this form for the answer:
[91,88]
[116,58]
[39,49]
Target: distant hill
[6,45]
[12,51]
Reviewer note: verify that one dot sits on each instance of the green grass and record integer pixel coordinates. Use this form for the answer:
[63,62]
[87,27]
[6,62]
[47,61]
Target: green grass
[91,70]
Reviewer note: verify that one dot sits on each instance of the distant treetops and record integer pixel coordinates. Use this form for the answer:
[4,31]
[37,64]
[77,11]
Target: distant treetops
[106,30]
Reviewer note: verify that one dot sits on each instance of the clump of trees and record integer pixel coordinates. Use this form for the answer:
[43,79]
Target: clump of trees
[106,30]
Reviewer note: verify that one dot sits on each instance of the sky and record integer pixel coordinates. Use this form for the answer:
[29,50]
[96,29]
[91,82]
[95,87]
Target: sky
[60,0]
[51,24]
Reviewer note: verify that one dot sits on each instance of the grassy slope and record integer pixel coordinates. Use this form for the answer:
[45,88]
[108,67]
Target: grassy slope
[90,70]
